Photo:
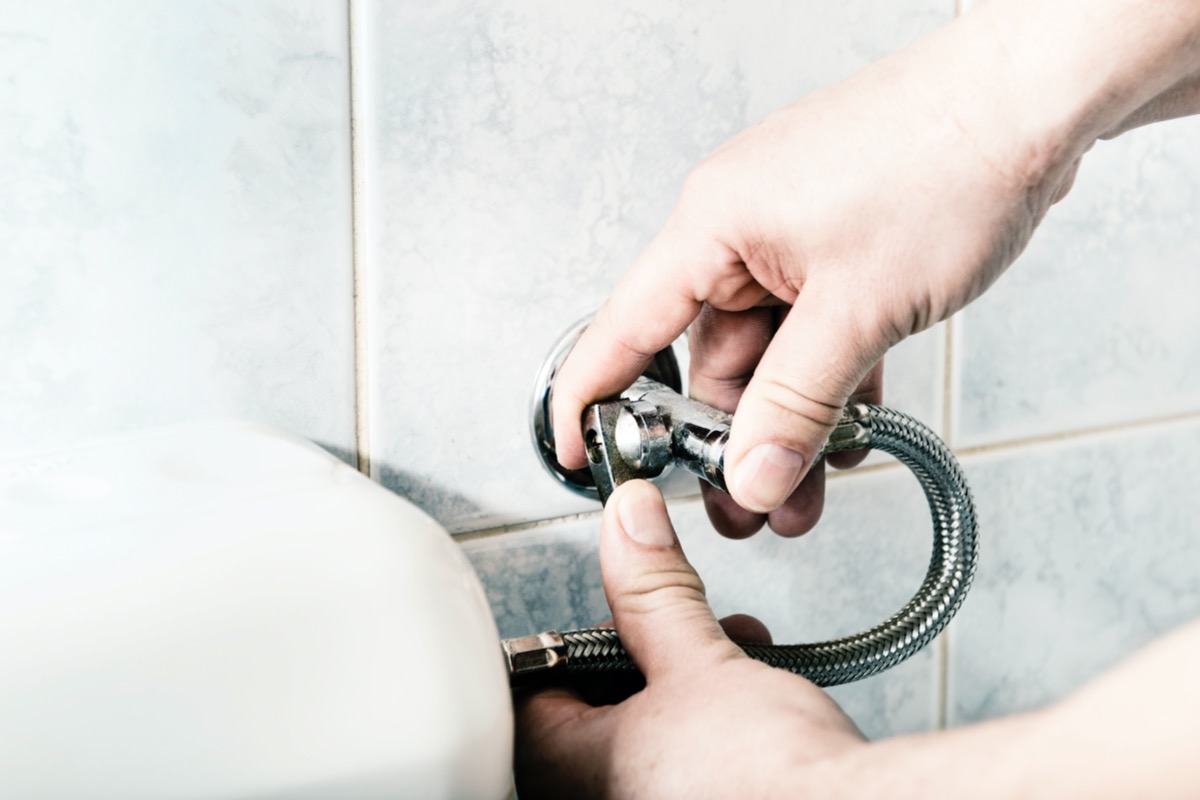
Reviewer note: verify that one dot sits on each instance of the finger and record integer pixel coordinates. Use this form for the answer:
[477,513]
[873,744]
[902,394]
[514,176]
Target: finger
[745,628]
[797,516]
[557,739]
[796,396]
[657,599]
[607,688]
[800,513]
[869,391]
[725,348]
[727,517]
[651,306]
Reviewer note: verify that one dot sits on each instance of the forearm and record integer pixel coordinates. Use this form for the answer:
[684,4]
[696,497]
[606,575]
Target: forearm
[1087,65]
[1001,759]
[1036,82]
[1133,732]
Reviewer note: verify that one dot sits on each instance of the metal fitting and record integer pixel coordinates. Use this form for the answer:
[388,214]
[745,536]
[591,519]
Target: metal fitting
[652,427]
[527,655]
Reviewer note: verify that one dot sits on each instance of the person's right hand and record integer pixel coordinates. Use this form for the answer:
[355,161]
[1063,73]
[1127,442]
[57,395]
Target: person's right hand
[811,243]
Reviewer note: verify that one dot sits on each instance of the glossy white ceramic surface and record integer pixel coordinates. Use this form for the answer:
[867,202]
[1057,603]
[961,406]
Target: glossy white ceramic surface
[222,610]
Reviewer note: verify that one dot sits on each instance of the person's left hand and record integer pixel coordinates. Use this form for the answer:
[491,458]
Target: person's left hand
[710,721]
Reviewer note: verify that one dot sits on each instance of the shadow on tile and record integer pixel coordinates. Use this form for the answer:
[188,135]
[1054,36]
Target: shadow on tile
[434,499]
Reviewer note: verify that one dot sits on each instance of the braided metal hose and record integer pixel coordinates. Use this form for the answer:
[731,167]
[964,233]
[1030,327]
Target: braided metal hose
[951,568]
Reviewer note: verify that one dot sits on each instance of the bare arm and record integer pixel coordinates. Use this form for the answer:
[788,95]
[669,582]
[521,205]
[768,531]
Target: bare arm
[1132,732]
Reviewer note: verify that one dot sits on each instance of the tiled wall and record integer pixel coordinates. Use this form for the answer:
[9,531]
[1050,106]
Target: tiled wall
[249,209]
[174,217]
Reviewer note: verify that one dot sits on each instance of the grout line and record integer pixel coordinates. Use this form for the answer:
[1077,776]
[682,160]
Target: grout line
[362,394]
[942,697]
[948,379]
[943,678]
[839,475]
[472,534]
[1081,433]
[520,527]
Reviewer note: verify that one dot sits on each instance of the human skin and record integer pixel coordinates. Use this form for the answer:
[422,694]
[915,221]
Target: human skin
[711,723]
[800,252]
[804,248]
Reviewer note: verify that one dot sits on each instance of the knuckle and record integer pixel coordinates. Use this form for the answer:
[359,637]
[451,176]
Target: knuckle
[626,340]
[660,589]
[702,179]
[811,410]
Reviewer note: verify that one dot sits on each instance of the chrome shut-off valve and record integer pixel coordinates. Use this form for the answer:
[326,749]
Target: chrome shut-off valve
[652,427]
[649,429]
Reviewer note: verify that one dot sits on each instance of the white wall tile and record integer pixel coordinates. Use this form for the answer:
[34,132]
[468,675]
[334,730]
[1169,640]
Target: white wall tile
[521,154]
[175,219]
[1096,323]
[1088,551]
[863,562]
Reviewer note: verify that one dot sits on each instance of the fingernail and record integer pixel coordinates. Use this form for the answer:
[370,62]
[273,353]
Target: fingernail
[767,475]
[643,520]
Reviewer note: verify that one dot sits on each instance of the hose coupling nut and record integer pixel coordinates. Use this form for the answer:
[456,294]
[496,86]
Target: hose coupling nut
[525,655]
[651,427]
[853,431]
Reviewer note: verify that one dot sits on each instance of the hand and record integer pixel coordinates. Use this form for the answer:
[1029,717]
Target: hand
[710,722]
[804,248]
[1181,99]
[807,246]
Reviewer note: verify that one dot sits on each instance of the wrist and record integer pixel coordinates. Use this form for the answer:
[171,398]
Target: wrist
[1034,83]
[1082,66]
[1004,758]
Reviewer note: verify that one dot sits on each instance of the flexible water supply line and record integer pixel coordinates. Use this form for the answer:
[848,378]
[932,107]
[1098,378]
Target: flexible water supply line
[651,427]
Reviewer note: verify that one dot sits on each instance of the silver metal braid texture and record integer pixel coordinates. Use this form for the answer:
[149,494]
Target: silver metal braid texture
[851,658]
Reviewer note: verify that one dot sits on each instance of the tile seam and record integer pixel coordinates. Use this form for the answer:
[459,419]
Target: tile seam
[362,428]
[943,641]
[522,527]
[968,452]
[942,668]
[1077,434]
[948,378]
[470,534]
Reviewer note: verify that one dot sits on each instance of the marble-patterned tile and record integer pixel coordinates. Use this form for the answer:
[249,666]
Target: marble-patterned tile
[1096,323]
[861,564]
[546,578]
[175,219]
[1089,551]
[520,154]
[914,376]
[914,382]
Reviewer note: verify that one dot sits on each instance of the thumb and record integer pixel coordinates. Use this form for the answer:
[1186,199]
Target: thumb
[814,363]
[657,599]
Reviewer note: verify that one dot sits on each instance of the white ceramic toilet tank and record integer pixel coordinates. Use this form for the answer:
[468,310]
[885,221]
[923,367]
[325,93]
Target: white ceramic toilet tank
[223,610]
